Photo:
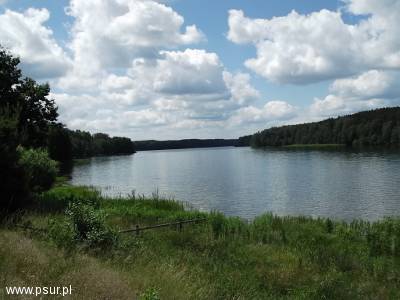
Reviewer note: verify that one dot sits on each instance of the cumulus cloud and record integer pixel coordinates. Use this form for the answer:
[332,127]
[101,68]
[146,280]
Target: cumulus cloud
[242,92]
[179,88]
[371,84]
[368,90]
[303,49]
[26,36]
[333,105]
[272,111]
[110,34]
[189,72]
[130,67]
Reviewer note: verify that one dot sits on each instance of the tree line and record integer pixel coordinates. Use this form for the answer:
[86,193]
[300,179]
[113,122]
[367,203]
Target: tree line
[380,127]
[32,140]
[182,144]
[64,144]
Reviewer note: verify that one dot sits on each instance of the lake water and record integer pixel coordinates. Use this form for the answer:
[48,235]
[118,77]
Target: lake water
[246,182]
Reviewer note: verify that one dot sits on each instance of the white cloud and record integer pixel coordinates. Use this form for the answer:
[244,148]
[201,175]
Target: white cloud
[178,90]
[369,90]
[26,36]
[242,91]
[272,111]
[128,71]
[333,105]
[109,34]
[143,118]
[189,72]
[371,84]
[302,49]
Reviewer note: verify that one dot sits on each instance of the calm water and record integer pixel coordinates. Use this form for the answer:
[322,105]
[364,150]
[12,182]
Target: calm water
[246,182]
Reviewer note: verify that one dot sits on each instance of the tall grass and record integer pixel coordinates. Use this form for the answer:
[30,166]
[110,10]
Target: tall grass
[270,257]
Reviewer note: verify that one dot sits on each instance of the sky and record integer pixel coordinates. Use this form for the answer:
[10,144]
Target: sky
[176,69]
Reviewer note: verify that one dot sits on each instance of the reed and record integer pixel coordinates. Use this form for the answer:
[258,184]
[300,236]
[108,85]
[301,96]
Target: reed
[222,258]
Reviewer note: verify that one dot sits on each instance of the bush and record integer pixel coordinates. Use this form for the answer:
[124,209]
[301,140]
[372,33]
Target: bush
[39,168]
[62,234]
[89,226]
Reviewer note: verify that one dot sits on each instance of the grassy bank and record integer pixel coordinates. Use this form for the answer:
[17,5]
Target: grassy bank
[223,258]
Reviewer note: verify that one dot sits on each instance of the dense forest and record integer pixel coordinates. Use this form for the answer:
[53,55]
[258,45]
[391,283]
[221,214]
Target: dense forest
[182,144]
[84,144]
[380,127]
[32,140]
[244,141]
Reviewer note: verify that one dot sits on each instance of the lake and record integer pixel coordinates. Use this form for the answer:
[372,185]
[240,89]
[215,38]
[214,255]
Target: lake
[245,182]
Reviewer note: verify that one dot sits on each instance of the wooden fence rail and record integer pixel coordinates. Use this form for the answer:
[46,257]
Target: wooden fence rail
[137,229]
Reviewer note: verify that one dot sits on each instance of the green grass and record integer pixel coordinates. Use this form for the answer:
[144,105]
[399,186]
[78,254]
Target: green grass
[223,258]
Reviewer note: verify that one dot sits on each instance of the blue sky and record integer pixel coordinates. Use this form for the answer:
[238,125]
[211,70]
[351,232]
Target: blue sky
[195,68]
[211,17]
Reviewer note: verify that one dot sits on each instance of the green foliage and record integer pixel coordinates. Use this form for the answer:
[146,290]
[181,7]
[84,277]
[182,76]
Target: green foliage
[85,144]
[13,185]
[83,222]
[270,257]
[62,234]
[59,144]
[368,128]
[39,168]
[10,77]
[26,112]
[89,226]
[13,181]
[38,113]
[58,198]
[150,294]
[384,238]
[223,227]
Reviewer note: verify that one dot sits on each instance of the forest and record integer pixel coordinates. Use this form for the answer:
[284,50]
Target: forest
[84,144]
[380,127]
[182,144]
[33,143]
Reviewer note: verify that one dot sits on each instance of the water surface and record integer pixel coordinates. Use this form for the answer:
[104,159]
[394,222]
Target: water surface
[246,182]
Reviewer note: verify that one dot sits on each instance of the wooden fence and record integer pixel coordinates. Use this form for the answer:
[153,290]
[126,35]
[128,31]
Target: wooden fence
[179,224]
[136,230]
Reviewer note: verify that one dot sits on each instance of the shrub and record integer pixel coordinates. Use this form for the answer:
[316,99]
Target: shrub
[39,168]
[62,234]
[89,226]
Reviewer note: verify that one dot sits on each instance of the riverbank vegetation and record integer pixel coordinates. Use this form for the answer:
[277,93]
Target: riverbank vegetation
[270,257]
[380,127]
